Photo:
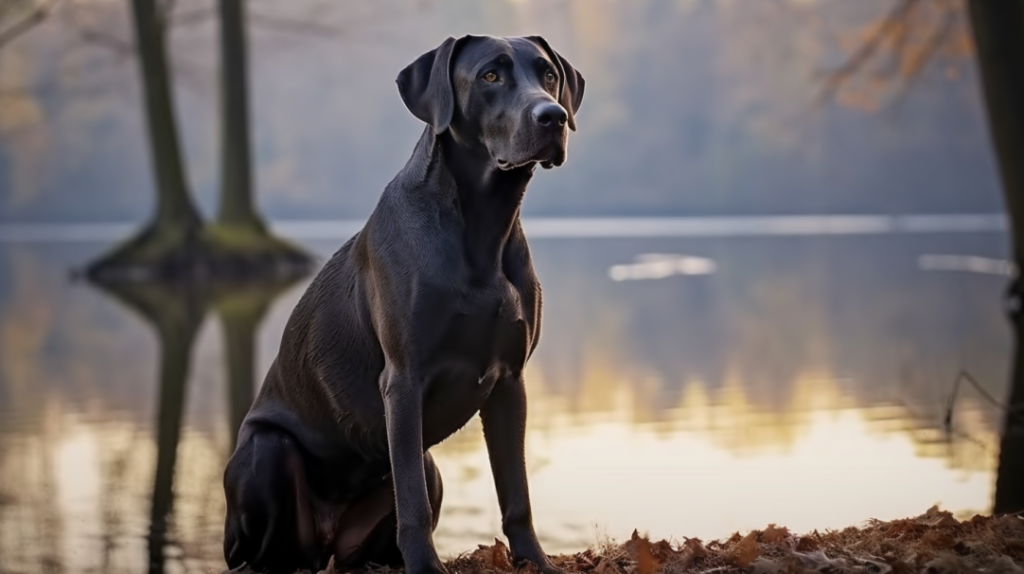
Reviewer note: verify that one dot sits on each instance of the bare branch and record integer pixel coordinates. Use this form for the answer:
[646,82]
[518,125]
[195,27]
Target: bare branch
[934,43]
[835,79]
[113,43]
[901,46]
[34,18]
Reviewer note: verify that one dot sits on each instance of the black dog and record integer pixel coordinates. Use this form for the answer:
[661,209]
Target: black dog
[421,320]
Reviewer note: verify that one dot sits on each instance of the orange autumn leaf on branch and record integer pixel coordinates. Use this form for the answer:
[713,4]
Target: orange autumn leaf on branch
[887,56]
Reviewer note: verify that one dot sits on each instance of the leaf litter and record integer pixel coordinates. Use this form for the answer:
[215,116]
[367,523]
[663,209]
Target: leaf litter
[932,543]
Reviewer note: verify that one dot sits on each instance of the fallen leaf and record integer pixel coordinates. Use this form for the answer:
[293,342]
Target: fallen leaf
[662,551]
[745,551]
[691,551]
[806,544]
[495,557]
[639,548]
[938,539]
[774,534]
[936,517]
[607,566]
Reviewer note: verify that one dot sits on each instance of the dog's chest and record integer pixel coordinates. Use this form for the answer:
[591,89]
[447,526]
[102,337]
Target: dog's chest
[486,341]
[493,329]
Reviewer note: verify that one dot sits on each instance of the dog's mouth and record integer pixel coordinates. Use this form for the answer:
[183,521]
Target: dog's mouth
[548,157]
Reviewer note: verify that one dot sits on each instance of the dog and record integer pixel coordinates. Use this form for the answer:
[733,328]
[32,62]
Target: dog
[423,319]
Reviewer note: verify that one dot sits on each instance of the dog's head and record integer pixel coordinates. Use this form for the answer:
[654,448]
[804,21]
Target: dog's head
[512,97]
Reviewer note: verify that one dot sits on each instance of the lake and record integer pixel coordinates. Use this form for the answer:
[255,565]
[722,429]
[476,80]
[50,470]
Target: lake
[694,377]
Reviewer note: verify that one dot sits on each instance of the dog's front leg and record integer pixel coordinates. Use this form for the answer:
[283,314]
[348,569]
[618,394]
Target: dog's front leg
[504,420]
[403,412]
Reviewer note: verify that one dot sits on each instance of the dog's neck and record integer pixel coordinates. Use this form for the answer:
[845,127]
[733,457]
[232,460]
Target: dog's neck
[487,198]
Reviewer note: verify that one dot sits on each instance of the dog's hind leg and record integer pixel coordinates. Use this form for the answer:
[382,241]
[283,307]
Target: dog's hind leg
[270,524]
[368,529]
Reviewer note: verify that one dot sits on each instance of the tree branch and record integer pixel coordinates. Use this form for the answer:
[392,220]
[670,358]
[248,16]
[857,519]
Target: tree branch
[889,26]
[34,18]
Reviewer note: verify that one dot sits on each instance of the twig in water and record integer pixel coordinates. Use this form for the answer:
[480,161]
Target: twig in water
[1017,412]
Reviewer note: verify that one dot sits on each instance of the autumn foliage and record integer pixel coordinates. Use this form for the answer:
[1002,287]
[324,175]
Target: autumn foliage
[932,543]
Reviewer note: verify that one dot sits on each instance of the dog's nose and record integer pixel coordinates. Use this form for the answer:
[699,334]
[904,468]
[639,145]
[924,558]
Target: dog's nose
[550,114]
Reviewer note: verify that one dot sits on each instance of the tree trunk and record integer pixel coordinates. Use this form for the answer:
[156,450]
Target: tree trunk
[239,243]
[170,245]
[174,206]
[998,27]
[236,198]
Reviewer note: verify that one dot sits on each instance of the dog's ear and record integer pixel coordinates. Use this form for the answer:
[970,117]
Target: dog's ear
[570,89]
[426,86]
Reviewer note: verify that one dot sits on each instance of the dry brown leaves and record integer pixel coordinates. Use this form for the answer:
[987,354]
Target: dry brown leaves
[933,543]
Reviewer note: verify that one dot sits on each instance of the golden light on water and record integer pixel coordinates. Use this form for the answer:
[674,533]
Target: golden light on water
[669,413]
[711,469]
[706,468]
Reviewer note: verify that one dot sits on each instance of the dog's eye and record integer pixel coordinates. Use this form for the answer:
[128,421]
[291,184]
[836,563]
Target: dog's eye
[490,77]
[550,77]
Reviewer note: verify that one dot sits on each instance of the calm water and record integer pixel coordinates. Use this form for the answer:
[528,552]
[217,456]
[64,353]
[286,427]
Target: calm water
[683,385]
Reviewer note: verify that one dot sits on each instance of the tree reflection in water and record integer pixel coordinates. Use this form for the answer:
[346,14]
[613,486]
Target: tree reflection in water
[175,312]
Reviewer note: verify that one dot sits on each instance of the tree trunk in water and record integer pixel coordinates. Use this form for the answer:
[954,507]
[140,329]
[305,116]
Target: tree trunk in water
[239,240]
[998,27]
[170,244]
[236,201]
[175,207]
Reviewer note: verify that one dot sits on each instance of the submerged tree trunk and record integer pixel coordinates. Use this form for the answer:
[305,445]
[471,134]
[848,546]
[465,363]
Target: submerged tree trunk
[998,27]
[175,207]
[239,237]
[236,203]
[171,240]
[175,245]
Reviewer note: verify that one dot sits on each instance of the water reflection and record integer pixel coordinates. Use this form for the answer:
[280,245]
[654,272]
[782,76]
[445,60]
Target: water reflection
[175,313]
[803,382]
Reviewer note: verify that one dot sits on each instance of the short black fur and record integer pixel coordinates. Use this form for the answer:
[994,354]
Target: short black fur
[424,318]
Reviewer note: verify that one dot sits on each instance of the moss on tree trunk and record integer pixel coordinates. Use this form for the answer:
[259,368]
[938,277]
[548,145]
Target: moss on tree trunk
[239,233]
